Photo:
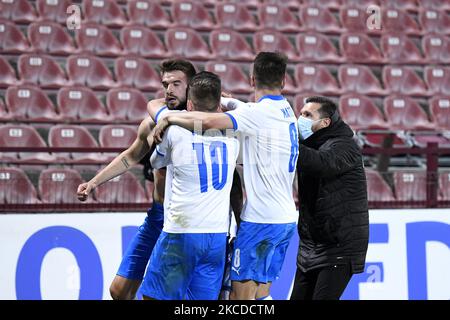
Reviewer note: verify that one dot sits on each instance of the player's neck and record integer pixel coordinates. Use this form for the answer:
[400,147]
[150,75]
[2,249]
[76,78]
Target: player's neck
[259,93]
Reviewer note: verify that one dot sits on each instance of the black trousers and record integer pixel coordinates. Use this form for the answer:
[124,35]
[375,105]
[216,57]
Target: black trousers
[327,283]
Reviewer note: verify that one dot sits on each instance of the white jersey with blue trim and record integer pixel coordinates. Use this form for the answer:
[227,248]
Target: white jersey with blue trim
[269,145]
[198,180]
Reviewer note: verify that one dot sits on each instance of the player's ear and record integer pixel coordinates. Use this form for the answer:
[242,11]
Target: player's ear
[189,105]
[283,82]
[252,81]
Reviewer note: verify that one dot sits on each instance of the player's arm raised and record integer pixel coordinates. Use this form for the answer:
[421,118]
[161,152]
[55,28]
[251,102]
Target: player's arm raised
[122,162]
[154,106]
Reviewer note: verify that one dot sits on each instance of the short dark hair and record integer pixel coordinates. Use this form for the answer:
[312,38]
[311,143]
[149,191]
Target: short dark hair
[269,70]
[205,91]
[178,65]
[328,109]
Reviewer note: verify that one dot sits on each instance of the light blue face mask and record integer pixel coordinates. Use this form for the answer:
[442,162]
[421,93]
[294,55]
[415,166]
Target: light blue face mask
[305,127]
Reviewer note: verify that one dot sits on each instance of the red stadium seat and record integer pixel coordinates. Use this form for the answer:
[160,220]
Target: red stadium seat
[148,13]
[116,136]
[403,80]
[50,37]
[18,11]
[127,104]
[105,12]
[7,74]
[377,188]
[358,47]
[20,135]
[400,4]
[142,41]
[233,78]
[315,79]
[192,14]
[437,79]
[254,4]
[289,85]
[440,111]
[187,43]
[12,40]
[434,21]
[136,72]
[400,48]
[278,17]
[394,20]
[421,140]
[436,5]
[27,103]
[16,187]
[358,78]
[314,46]
[81,104]
[4,113]
[444,186]
[319,19]
[270,40]
[88,70]
[122,189]
[73,136]
[354,18]
[98,39]
[360,113]
[410,185]
[436,48]
[404,113]
[60,186]
[41,70]
[330,4]
[235,16]
[231,45]
[149,187]
[53,10]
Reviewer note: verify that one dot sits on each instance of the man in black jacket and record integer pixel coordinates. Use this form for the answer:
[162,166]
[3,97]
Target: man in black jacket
[334,221]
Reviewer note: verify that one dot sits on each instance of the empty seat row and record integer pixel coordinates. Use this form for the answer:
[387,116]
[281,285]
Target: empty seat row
[59,186]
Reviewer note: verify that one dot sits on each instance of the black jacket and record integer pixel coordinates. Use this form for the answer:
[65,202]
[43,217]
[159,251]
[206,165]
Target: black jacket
[334,220]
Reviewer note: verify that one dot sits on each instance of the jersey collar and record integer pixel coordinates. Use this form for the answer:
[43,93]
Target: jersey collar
[272,97]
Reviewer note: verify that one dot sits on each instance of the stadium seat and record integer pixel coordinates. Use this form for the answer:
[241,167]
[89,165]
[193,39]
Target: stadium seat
[4,113]
[73,136]
[314,46]
[125,188]
[422,139]
[149,187]
[97,39]
[186,43]
[354,19]
[410,5]
[105,12]
[315,79]
[30,103]
[292,4]
[436,48]
[397,47]
[360,113]
[81,104]
[20,135]
[444,186]
[277,17]
[394,20]
[142,41]
[440,111]
[437,79]
[18,10]
[434,21]
[442,5]
[136,72]
[317,18]
[289,85]
[12,40]
[60,186]
[126,104]
[149,13]
[253,4]
[116,136]
[330,4]
[192,14]
[359,48]
[7,74]
[410,185]
[53,10]
[404,113]
[377,188]
[271,40]
[88,70]
[233,78]
[230,45]
[16,187]
[41,70]
[359,78]
[403,80]
[235,16]
[50,37]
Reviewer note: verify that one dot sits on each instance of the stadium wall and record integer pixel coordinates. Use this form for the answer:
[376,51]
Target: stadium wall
[75,256]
